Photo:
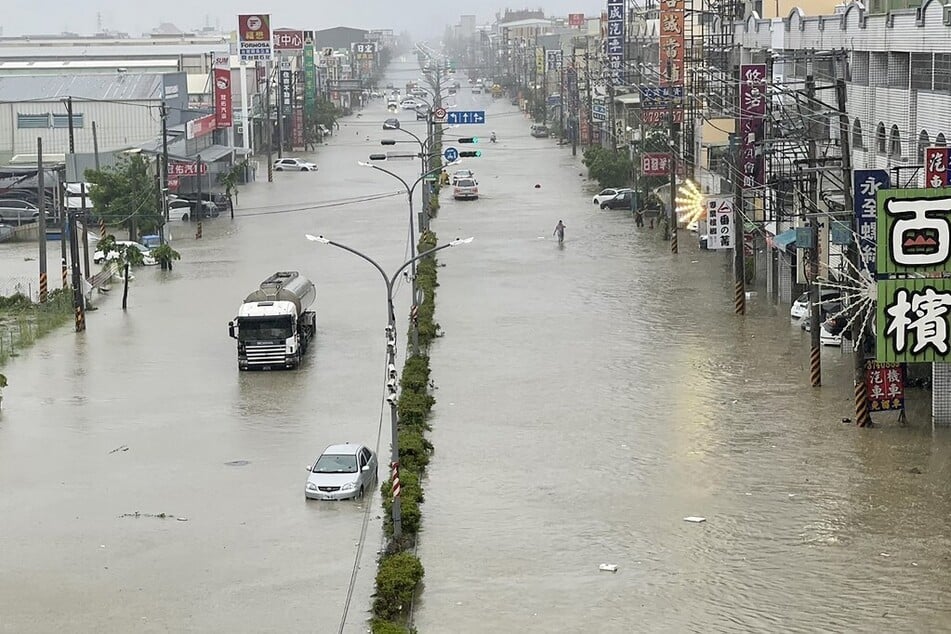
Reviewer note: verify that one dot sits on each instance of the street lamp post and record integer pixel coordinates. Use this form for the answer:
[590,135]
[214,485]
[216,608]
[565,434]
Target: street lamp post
[391,381]
[414,330]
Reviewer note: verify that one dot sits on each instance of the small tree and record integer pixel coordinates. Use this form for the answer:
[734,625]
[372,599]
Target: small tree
[126,256]
[125,195]
[230,182]
[165,254]
[610,169]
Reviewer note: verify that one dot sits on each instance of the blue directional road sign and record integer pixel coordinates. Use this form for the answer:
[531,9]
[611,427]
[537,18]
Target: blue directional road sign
[451,154]
[465,116]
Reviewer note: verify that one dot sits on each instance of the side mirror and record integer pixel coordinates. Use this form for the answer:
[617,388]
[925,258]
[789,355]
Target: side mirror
[307,468]
[366,467]
[231,332]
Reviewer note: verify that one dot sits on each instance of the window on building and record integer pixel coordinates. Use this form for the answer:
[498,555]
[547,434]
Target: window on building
[33,120]
[857,140]
[894,142]
[878,69]
[942,71]
[860,68]
[898,70]
[939,140]
[923,142]
[62,120]
[922,69]
[880,141]
[824,69]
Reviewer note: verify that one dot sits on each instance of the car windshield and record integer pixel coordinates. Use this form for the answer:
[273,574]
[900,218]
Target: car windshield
[264,329]
[330,463]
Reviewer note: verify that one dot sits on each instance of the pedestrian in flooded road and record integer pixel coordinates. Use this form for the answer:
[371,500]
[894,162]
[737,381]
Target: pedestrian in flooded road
[560,231]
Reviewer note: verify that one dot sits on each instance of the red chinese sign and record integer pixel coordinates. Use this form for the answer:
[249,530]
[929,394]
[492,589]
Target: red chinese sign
[576,20]
[659,115]
[885,386]
[221,74]
[288,40]
[254,37]
[200,126]
[937,167]
[180,168]
[655,164]
[753,97]
[671,42]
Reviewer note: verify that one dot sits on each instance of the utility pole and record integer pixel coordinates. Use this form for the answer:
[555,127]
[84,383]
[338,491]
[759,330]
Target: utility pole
[739,266]
[268,128]
[587,82]
[674,141]
[862,417]
[41,203]
[69,123]
[815,347]
[82,183]
[95,145]
[545,87]
[200,205]
[576,101]
[79,306]
[612,124]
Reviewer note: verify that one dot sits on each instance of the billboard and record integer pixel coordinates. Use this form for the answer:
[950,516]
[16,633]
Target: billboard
[913,258]
[288,40]
[614,42]
[576,20]
[671,42]
[221,76]
[254,37]
[752,163]
[937,167]
[720,229]
[865,186]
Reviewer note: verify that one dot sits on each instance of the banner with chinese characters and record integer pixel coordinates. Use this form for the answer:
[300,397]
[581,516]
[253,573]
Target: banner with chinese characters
[254,37]
[752,117]
[913,258]
[865,186]
[885,386]
[310,75]
[286,90]
[539,61]
[671,42]
[614,43]
[937,167]
[720,231]
[576,20]
[553,60]
[655,164]
[221,74]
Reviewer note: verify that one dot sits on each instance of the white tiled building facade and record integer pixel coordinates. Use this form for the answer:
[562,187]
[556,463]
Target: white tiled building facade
[899,87]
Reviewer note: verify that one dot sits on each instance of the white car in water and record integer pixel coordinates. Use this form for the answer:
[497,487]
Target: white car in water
[294,165]
[99,257]
[608,194]
[341,472]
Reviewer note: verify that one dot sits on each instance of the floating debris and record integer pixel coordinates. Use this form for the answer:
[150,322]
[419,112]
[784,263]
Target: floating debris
[695,519]
[237,463]
[608,567]
[120,448]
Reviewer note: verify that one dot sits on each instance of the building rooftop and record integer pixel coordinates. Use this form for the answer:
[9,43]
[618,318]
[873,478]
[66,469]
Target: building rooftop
[124,86]
[58,51]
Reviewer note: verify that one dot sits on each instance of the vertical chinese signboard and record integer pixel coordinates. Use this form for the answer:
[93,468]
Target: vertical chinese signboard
[671,42]
[865,186]
[254,37]
[885,386]
[576,20]
[310,75]
[221,75]
[720,231]
[614,43]
[937,168]
[539,60]
[553,60]
[752,117]
[913,259]
[287,89]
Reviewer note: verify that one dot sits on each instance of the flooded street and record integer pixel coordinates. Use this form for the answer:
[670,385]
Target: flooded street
[589,398]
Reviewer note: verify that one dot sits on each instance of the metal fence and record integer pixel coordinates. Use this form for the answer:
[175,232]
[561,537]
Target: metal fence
[28,286]
[20,328]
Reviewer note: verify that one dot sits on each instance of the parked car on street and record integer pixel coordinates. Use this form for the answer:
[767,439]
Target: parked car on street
[800,308]
[607,194]
[466,189]
[540,131]
[99,257]
[391,124]
[341,472]
[294,165]
[410,104]
[621,200]
[184,208]
[20,212]
[460,174]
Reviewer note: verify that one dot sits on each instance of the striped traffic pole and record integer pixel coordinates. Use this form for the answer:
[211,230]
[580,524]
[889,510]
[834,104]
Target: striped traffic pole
[862,416]
[673,239]
[395,476]
[44,287]
[198,233]
[65,273]
[102,229]
[739,298]
[815,369]
[80,319]
[414,314]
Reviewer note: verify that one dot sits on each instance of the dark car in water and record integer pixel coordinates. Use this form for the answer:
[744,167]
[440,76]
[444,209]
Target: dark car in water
[623,200]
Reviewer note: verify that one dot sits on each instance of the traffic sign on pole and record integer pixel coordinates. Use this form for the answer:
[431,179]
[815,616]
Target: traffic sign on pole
[465,116]
[439,114]
[451,154]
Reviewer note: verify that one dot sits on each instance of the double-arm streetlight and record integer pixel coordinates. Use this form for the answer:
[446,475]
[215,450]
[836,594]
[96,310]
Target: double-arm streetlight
[412,241]
[391,381]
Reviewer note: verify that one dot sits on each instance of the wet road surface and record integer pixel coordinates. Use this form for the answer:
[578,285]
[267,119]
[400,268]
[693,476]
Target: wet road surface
[592,396]
[589,398]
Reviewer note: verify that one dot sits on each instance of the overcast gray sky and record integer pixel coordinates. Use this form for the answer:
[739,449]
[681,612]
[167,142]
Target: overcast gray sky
[423,18]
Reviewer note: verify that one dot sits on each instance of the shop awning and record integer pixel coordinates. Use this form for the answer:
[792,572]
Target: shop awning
[783,240]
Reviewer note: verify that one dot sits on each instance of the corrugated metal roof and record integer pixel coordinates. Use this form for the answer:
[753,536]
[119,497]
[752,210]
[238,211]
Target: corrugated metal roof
[124,86]
[172,51]
[85,64]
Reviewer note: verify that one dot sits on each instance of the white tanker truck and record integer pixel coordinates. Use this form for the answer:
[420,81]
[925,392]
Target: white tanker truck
[273,326]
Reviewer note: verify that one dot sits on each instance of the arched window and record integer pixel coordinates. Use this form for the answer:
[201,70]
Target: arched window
[923,141]
[939,140]
[857,141]
[880,142]
[894,142]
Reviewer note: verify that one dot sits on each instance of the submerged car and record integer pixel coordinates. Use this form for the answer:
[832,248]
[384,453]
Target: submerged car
[294,165]
[607,194]
[99,257]
[800,308]
[622,200]
[466,189]
[341,472]
[460,174]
